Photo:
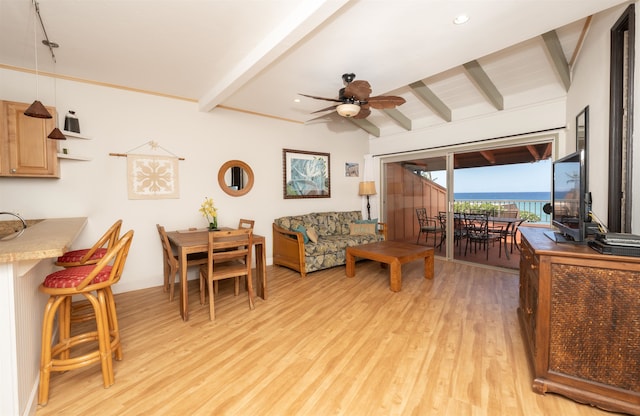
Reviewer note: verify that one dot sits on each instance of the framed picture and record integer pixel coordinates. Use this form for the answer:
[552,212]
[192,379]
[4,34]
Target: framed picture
[306,174]
[582,129]
[351,169]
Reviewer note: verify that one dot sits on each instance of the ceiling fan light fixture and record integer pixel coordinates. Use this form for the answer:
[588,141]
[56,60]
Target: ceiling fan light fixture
[348,110]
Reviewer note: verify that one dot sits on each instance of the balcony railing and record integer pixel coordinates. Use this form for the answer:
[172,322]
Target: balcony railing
[530,209]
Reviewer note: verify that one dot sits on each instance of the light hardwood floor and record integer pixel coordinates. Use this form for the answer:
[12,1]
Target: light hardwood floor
[323,345]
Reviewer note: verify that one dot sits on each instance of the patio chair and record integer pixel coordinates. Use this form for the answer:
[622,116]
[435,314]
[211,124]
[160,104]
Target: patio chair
[514,232]
[479,233]
[459,230]
[427,226]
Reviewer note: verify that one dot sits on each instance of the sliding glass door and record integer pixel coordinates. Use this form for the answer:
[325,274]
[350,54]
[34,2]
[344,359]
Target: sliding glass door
[511,181]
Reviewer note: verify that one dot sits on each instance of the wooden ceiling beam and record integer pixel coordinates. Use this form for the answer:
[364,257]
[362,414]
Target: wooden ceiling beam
[534,152]
[429,98]
[484,84]
[489,156]
[366,125]
[583,35]
[554,47]
[547,151]
[402,120]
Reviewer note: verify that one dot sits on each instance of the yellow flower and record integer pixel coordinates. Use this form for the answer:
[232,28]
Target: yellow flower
[208,210]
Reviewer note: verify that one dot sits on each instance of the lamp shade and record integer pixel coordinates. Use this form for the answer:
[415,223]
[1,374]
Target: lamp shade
[56,134]
[348,110]
[37,110]
[367,188]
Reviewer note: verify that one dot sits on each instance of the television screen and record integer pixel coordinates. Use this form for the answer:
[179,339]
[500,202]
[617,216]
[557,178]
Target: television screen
[569,189]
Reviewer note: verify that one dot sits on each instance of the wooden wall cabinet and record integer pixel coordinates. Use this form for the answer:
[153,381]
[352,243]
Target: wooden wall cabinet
[580,317]
[25,150]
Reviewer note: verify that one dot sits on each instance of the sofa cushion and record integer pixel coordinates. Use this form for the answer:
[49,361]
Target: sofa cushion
[313,235]
[337,244]
[302,230]
[362,229]
[325,223]
[371,221]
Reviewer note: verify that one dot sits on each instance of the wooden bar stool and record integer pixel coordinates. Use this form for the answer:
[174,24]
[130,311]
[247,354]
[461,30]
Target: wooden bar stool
[82,311]
[91,255]
[93,282]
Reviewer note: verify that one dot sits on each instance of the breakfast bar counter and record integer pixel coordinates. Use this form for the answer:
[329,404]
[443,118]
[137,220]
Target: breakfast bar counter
[46,239]
[24,263]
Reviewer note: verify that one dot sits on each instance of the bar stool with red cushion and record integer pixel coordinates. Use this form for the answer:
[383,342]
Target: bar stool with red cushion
[82,311]
[91,255]
[93,282]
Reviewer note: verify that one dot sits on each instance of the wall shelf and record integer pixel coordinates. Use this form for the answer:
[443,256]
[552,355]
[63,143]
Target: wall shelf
[75,135]
[72,157]
[63,144]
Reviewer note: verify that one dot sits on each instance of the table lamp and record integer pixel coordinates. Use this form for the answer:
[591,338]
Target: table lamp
[367,188]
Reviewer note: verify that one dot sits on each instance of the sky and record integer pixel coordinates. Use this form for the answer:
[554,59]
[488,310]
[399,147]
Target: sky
[523,177]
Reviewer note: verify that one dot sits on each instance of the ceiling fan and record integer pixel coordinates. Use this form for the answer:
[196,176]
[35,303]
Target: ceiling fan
[355,101]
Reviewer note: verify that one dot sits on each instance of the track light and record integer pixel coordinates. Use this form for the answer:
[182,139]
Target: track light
[36,109]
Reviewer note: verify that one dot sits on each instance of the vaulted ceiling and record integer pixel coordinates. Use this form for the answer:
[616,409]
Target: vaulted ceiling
[257,56]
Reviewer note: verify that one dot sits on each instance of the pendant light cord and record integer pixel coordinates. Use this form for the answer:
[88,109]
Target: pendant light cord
[35,47]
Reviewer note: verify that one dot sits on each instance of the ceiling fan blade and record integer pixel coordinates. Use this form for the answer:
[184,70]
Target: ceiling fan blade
[363,113]
[360,90]
[326,116]
[321,98]
[333,107]
[385,101]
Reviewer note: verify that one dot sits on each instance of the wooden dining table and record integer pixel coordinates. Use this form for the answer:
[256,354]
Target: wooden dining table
[197,241]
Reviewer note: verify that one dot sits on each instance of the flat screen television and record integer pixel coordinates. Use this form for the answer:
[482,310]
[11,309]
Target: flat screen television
[571,203]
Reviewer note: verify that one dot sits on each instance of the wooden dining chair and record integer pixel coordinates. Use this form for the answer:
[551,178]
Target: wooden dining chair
[229,256]
[242,224]
[245,223]
[171,265]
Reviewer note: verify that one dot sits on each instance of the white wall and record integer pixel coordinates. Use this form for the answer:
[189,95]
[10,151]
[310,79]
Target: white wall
[120,120]
[590,87]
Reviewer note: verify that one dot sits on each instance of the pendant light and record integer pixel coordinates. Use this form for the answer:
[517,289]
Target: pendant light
[36,109]
[56,134]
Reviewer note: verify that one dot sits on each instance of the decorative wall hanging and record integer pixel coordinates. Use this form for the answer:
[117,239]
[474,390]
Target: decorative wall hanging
[306,174]
[151,176]
[351,169]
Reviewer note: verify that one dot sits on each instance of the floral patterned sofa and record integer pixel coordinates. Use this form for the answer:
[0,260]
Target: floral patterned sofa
[318,240]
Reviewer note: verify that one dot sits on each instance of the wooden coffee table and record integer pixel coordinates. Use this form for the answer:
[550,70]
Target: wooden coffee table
[393,253]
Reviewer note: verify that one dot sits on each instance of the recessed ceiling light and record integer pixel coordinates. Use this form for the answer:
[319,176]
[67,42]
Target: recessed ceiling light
[460,20]
[296,100]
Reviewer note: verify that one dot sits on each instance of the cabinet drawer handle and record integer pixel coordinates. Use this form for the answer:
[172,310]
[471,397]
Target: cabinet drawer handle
[533,266]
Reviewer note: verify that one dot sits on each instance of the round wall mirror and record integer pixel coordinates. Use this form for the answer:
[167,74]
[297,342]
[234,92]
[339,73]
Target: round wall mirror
[235,178]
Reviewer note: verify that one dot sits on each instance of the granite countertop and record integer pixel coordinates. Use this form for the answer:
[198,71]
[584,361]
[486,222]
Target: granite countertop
[46,239]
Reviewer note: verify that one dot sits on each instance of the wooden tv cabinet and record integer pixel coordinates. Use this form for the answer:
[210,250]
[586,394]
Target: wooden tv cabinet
[580,316]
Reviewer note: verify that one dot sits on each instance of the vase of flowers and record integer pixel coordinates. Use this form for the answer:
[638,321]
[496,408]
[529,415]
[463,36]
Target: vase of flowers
[210,212]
